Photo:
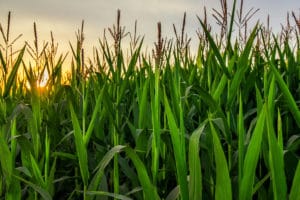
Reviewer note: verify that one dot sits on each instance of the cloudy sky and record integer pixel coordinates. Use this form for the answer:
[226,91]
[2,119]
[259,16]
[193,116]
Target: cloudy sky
[64,17]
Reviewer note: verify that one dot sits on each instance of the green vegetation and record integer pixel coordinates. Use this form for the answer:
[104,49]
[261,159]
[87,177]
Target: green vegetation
[223,124]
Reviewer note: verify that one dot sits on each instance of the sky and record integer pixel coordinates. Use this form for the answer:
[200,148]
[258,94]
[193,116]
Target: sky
[64,17]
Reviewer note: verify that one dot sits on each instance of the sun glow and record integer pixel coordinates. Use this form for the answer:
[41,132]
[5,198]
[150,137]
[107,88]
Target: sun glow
[40,83]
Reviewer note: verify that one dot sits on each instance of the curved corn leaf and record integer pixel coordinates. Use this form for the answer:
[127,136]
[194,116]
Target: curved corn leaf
[5,159]
[178,153]
[215,50]
[87,136]
[148,188]
[3,62]
[41,191]
[13,73]
[80,147]
[287,94]
[251,158]
[276,162]
[99,170]
[295,192]
[243,65]
[195,184]
[223,183]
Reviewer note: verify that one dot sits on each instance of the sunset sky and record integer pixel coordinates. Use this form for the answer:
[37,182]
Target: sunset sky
[64,17]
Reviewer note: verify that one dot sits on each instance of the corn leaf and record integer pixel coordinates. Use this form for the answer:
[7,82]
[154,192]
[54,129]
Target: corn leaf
[80,147]
[287,94]
[148,188]
[5,159]
[251,158]
[12,76]
[195,184]
[41,191]
[223,183]
[295,192]
[276,162]
[178,153]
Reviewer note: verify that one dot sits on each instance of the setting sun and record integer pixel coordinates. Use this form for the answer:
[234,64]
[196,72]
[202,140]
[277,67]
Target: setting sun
[40,84]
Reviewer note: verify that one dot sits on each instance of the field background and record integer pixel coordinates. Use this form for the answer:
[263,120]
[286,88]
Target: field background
[162,123]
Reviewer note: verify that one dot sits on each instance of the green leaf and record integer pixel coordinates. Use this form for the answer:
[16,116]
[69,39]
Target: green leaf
[89,131]
[214,107]
[223,183]
[276,162]
[178,153]
[143,104]
[286,94]
[215,50]
[231,27]
[41,191]
[241,139]
[243,65]
[251,158]
[271,99]
[195,184]
[80,147]
[14,192]
[51,177]
[174,194]
[13,73]
[5,159]
[3,62]
[224,80]
[260,183]
[37,172]
[279,130]
[148,188]
[155,114]
[295,192]
[99,170]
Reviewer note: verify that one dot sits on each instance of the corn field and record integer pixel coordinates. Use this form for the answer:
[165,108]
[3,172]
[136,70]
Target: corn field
[221,123]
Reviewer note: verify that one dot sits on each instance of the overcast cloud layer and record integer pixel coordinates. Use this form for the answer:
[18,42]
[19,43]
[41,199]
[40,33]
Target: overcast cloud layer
[64,17]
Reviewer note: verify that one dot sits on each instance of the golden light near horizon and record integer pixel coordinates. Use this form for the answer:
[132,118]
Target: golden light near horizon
[41,83]
[44,80]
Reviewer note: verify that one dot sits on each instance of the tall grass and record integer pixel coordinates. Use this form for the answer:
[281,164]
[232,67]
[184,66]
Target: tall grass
[221,124]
